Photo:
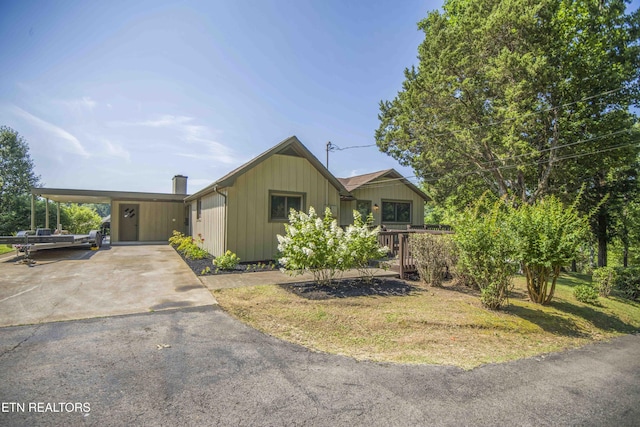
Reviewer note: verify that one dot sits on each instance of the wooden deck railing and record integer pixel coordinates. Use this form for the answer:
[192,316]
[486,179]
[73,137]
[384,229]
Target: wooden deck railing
[398,243]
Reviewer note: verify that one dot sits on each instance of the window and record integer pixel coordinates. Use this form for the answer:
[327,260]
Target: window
[364,207]
[281,203]
[199,209]
[396,212]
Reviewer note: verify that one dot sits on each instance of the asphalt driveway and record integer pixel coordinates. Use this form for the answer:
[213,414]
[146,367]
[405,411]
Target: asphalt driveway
[77,283]
[199,366]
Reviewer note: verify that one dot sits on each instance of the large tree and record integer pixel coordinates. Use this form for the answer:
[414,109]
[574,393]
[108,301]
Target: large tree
[16,177]
[522,97]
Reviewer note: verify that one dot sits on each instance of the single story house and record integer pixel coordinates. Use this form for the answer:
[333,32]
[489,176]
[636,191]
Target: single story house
[246,209]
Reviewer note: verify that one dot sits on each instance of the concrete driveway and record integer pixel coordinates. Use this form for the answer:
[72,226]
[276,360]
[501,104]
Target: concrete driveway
[78,283]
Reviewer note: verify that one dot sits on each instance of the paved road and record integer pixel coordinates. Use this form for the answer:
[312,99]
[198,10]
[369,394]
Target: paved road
[220,372]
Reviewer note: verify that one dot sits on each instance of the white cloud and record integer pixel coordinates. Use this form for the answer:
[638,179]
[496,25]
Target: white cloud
[72,144]
[165,121]
[117,150]
[210,150]
[77,105]
[111,149]
[199,138]
[85,102]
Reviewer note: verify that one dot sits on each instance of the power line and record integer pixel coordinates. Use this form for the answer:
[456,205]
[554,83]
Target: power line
[356,146]
[377,184]
[334,147]
[489,162]
[544,110]
[568,157]
[545,160]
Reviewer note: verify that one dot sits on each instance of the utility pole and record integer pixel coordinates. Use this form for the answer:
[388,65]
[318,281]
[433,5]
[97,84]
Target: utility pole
[330,147]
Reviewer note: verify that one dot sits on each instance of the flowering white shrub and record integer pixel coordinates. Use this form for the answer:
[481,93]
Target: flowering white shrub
[362,244]
[320,246]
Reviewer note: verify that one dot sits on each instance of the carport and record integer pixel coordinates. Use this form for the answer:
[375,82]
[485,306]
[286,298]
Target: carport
[135,216]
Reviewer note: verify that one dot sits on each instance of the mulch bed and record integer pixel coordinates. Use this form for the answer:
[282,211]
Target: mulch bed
[340,288]
[344,288]
[199,266]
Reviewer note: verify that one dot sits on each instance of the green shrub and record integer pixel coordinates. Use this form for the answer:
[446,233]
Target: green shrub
[228,261]
[604,278]
[586,294]
[628,282]
[188,246]
[433,255]
[82,219]
[195,252]
[547,236]
[485,250]
[177,238]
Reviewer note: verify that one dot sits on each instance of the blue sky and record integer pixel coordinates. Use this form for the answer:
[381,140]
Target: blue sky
[122,95]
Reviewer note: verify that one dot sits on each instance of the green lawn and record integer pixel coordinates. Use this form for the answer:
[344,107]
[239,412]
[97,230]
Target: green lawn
[5,249]
[444,325]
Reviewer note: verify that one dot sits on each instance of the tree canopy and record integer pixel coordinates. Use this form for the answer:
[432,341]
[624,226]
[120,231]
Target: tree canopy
[521,97]
[17,177]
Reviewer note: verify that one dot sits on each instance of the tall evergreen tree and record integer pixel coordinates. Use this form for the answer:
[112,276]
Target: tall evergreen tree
[521,97]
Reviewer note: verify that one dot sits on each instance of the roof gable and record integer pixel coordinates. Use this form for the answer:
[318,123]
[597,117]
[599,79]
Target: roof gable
[289,147]
[355,182]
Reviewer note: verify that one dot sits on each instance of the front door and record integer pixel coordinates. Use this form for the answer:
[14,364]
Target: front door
[129,222]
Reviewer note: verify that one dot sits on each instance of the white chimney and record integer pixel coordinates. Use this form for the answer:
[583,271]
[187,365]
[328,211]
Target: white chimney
[180,184]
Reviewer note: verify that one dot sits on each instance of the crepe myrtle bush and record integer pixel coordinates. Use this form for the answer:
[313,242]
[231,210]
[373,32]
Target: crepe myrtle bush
[320,246]
[486,254]
[547,235]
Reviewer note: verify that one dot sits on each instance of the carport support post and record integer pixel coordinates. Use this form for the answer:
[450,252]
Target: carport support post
[58,225]
[46,214]
[33,212]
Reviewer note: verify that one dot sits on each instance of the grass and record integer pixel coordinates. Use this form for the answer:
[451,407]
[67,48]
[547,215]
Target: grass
[5,249]
[444,325]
